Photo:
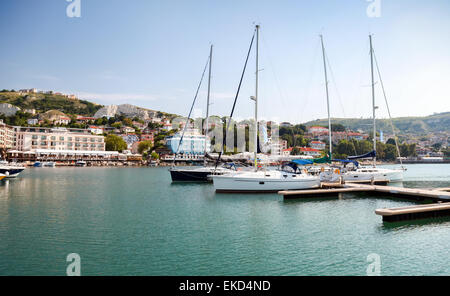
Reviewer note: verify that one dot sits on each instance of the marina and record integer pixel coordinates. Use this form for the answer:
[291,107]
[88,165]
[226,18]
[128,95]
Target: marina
[175,228]
[187,140]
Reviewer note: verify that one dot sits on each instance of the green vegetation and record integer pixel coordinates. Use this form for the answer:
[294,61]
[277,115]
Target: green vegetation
[20,118]
[46,102]
[144,146]
[115,143]
[415,125]
[387,152]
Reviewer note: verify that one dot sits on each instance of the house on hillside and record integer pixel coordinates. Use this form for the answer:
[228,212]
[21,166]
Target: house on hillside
[55,117]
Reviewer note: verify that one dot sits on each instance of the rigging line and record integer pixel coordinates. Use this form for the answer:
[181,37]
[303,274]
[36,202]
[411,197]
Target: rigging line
[312,71]
[192,107]
[389,111]
[280,92]
[356,92]
[272,68]
[334,83]
[338,95]
[235,99]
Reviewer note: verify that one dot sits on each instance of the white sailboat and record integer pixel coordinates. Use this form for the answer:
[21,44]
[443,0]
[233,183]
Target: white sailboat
[263,180]
[199,174]
[373,173]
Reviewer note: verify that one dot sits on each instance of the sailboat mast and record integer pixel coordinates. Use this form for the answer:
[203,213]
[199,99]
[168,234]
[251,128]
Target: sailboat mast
[373,103]
[328,98]
[256,98]
[207,106]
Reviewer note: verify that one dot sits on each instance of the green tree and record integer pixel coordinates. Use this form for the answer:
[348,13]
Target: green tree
[390,152]
[117,124]
[115,143]
[144,146]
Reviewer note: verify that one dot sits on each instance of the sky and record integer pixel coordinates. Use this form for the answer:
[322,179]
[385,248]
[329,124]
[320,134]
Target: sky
[152,54]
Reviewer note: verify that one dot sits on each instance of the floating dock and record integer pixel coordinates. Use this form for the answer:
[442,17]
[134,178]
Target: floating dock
[415,212]
[435,195]
[440,197]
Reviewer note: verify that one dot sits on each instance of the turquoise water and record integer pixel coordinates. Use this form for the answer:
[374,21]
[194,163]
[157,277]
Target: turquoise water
[133,221]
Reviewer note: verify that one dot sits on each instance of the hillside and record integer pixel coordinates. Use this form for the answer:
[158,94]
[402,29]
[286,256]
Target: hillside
[43,102]
[405,125]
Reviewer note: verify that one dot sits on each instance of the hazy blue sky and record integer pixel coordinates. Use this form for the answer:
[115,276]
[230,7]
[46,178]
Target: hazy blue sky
[151,53]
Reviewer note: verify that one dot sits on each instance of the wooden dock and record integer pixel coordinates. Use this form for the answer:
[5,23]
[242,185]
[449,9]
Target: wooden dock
[330,189]
[415,212]
[438,209]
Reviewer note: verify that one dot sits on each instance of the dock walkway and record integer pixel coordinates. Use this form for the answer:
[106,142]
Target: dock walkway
[440,197]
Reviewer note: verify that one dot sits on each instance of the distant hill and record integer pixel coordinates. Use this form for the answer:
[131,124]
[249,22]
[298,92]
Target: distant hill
[44,102]
[405,125]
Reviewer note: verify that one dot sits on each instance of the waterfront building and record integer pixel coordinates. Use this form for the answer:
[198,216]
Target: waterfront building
[6,136]
[33,138]
[193,143]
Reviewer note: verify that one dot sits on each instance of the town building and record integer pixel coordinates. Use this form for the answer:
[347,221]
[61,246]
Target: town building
[193,143]
[6,136]
[96,130]
[33,121]
[33,138]
[84,119]
[56,117]
[277,147]
[127,130]
[317,130]
[130,139]
[303,151]
[319,145]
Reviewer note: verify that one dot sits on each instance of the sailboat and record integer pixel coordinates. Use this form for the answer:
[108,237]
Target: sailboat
[263,180]
[372,173]
[199,174]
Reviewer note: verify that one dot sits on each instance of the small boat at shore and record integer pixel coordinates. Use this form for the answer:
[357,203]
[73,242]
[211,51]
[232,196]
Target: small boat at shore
[10,170]
[81,163]
[46,164]
[2,176]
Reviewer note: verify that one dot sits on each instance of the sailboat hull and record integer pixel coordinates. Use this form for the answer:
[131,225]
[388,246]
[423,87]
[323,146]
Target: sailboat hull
[263,182]
[186,175]
[374,174]
[202,174]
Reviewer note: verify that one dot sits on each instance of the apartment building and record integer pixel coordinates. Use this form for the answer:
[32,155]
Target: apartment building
[32,138]
[6,136]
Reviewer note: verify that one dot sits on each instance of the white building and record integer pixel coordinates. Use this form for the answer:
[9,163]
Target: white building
[6,136]
[32,138]
[319,145]
[193,143]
